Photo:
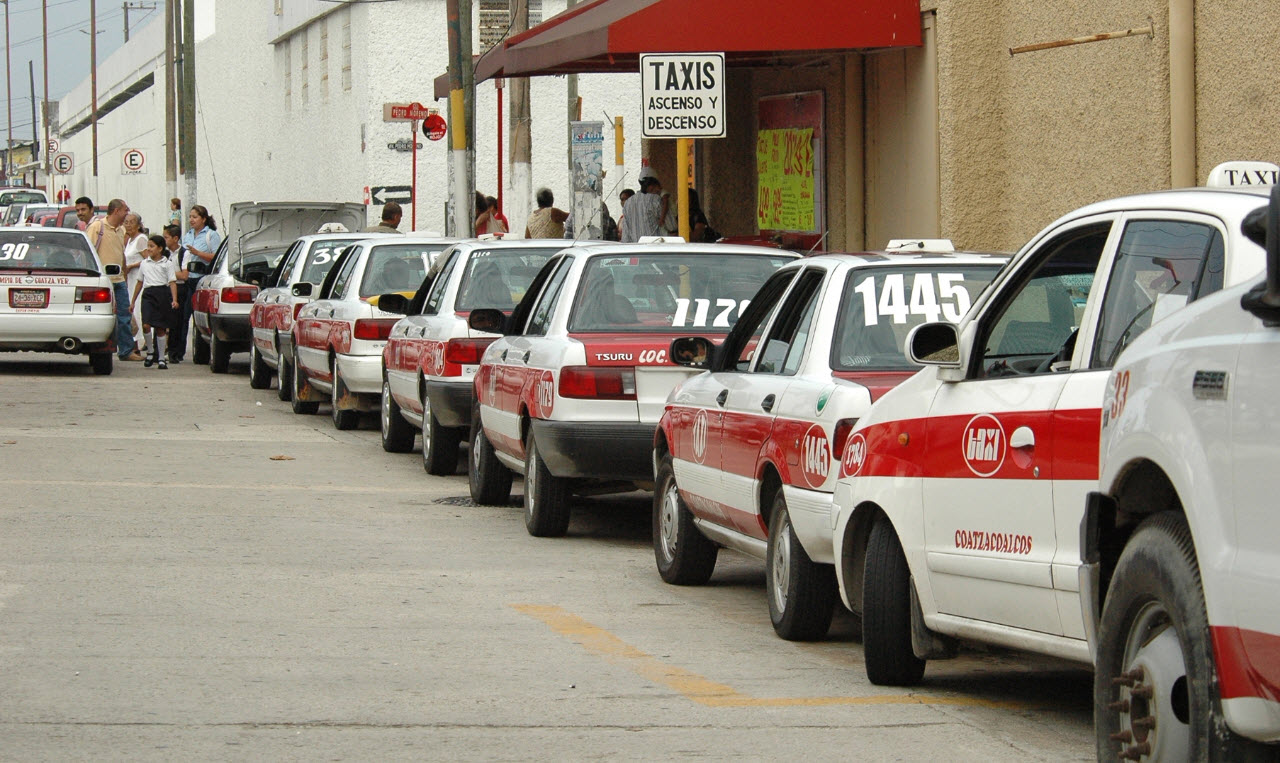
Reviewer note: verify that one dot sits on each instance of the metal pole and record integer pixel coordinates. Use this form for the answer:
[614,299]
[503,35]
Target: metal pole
[35,136]
[464,221]
[571,114]
[126,21]
[413,184]
[498,85]
[521,139]
[682,187]
[170,119]
[93,66]
[48,175]
[189,99]
[8,152]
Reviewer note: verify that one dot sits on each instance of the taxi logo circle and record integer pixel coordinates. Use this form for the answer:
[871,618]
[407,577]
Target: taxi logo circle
[435,359]
[855,454]
[815,456]
[983,445]
[700,436]
[546,395]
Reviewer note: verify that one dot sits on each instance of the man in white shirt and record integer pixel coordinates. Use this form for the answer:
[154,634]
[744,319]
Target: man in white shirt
[642,214]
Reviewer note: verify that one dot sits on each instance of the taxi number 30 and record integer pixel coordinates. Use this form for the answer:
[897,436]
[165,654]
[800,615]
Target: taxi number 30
[14,251]
[892,300]
[702,308]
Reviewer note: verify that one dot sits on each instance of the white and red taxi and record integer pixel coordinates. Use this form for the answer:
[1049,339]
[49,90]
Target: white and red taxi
[570,396]
[338,338]
[271,317]
[256,237]
[431,357]
[963,489]
[55,296]
[744,453]
[1184,530]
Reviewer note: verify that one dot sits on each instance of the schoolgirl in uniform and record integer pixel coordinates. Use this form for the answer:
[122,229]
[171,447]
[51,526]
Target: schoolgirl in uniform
[158,287]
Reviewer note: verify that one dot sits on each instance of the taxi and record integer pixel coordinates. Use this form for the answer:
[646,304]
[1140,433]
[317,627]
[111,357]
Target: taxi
[256,237]
[744,452]
[571,394]
[338,339]
[431,356]
[1183,531]
[962,490]
[55,296]
[271,317]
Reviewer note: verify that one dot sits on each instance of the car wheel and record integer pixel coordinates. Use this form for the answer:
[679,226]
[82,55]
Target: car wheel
[259,371]
[102,363]
[199,349]
[801,593]
[397,435]
[546,496]
[1155,687]
[683,553]
[298,382]
[489,480]
[284,379]
[439,443]
[219,354]
[886,611]
[342,419]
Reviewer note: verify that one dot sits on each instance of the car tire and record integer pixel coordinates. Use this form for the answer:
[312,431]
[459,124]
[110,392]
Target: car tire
[546,496]
[1154,635]
[219,354]
[489,480]
[342,419]
[284,379]
[199,349]
[102,363]
[259,371]
[684,555]
[440,444]
[397,435]
[801,593]
[298,380]
[886,611]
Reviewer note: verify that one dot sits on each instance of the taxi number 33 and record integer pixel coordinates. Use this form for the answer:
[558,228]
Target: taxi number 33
[924,301]
[14,251]
[702,309]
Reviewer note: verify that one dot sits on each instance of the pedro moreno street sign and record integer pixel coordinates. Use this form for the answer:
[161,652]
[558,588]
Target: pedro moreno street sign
[683,95]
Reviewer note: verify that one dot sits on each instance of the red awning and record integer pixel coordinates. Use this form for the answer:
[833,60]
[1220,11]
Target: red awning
[609,35]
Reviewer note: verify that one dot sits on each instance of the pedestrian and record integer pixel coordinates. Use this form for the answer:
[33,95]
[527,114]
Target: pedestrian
[391,216]
[135,243]
[175,211]
[623,195]
[498,223]
[182,316]
[159,291]
[64,195]
[642,214]
[202,237]
[85,212]
[107,236]
[546,221]
[608,228]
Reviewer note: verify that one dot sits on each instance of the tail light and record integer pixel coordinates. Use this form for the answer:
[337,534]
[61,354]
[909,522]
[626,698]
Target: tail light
[94,295]
[843,428]
[374,329]
[238,295]
[465,352]
[598,383]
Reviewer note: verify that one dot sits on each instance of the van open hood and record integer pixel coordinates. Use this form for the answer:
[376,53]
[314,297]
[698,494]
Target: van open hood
[254,226]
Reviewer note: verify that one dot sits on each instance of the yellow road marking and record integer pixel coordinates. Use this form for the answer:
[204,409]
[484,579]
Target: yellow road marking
[210,486]
[703,690]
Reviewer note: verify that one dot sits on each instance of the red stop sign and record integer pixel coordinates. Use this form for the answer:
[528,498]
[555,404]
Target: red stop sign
[433,127]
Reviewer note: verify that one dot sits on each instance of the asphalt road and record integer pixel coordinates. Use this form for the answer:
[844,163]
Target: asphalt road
[170,590]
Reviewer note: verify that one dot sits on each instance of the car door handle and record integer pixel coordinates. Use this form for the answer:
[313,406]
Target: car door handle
[1022,437]
[525,357]
[722,397]
[504,354]
[767,403]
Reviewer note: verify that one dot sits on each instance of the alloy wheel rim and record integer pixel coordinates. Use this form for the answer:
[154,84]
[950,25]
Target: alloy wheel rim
[1153,704]
[386,408]
[531,481]
[781,571]
[426,428]
[668,522]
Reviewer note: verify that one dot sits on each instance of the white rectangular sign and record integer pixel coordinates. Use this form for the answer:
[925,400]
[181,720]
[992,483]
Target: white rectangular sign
[683,95]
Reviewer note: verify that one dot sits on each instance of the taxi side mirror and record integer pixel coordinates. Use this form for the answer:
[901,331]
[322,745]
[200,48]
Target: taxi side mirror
[302,289]
[487,319]
[692,352]
[198,267]
[111,270]
[934,344]
[393,303]
[1262,226]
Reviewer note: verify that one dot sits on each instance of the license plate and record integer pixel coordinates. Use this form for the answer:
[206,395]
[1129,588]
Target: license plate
[28,298]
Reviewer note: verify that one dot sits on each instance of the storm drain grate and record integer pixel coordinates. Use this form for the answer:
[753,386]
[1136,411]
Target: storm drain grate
[465,500]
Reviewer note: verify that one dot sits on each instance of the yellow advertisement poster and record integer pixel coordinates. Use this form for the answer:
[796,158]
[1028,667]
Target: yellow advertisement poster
[784,166]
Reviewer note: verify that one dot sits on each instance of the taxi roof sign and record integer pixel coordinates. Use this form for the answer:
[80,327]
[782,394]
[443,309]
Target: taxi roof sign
[920,245]
[1244,175]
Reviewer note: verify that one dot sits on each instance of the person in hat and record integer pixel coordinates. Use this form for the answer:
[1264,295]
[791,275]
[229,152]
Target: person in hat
[642,213]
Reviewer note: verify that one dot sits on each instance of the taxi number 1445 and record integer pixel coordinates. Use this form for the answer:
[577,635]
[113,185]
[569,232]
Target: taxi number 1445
[892,300]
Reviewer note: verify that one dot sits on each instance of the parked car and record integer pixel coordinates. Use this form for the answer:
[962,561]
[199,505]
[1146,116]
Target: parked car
[959,511]
[55,296]
[571,393]
[309,260]
[255,238]
[67,218]
[11,196]
[1180,542]
[747,453]
[431,356]
[338,339]
[18,214]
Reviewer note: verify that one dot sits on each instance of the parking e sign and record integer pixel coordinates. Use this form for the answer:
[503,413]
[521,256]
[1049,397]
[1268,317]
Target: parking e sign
[134,161]
[63,163]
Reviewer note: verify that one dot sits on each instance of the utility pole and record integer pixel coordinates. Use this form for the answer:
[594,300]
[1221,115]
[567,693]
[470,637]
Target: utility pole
[170,119]
[189,99]
[35,137]
[48,175]
[93,66]
[8,75]
[572,114]
[460,72]
[521,143]
[137,7]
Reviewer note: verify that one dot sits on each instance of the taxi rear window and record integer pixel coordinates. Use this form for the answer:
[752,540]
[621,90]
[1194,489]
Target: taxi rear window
[880,306]
[668,293]
[499,278]
[322,256]
[39,250]
[21,197]
[397,268]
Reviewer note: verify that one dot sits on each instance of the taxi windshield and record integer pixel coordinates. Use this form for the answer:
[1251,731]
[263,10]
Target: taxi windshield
[397,268]
[46,251]
[499,278]
[880,306]
[21,197]
[668,293]
[322,256]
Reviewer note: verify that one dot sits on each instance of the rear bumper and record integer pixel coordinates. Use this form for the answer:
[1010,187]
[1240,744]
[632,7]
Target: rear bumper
[596,450]
[811,515]
[48,329]
[451,402]
[361,374]
[232,329]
